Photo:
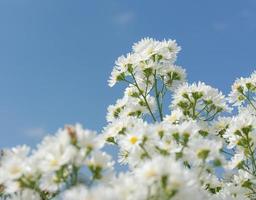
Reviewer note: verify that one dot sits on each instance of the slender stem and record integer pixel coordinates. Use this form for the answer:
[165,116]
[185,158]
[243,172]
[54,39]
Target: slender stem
[248,99]
[163,86]
[162,92]
[199,112]
[251,154]
[145,151]
[75,175]
[228,153]
[202,168]
[157,98]
[144,97]
[251,103]
[194,115]
[211,117]
[128,82]
[247,170]
[146,91]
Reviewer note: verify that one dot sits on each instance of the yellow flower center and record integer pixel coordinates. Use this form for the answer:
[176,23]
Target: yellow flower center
[54,162]
[151,173]
[133,139]
[150,51]
[15,170]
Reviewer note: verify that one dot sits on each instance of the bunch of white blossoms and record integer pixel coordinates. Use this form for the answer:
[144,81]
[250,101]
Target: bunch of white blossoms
[58,163]
[198,150]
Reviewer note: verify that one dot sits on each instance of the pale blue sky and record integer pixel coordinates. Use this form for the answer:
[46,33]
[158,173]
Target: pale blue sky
[56,55]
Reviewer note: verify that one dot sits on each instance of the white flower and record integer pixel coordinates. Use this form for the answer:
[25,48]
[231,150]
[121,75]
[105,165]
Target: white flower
[143,44]
[80,192]
[13,165]
[123,63]
[243,120]
[50,182]
[243,90]
[87,139]
[199,99]
[55,155]
[114,111]
[115,76]
[101,166]
[120,126]
[174,75]
[220,125]
[235,160]
[149,56]
[25,195]
[201,149]
[164,174]
[77,193]
[176,116]
[148,47]
[101,160]
[131,105]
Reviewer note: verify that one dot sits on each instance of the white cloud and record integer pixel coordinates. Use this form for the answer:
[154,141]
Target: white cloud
[124,18]
[248,18]
[35,132]
[220,26]
[244,19]
[247,14]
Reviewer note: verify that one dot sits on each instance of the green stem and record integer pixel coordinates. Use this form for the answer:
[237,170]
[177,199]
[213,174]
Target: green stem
[211,117]
[251,154]
[198,113]
[194,115]
[145,151]
[144,97]
[251,103]
[157,98]
[146,92]
[248,99]
[74,178]
[228,153]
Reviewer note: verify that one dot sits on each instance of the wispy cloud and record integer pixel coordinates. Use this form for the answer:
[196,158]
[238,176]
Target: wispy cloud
[220,26]
[248,17]
[124,18]
[244,19]
[247,14]
[35,132]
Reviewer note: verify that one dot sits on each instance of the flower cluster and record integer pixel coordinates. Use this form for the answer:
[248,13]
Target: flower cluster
[199,101]
[149,58]
[199,150]
[57,164]
[150,70]
[243,91]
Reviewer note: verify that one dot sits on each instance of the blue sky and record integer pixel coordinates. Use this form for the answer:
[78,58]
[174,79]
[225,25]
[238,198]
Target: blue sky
[56,55]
